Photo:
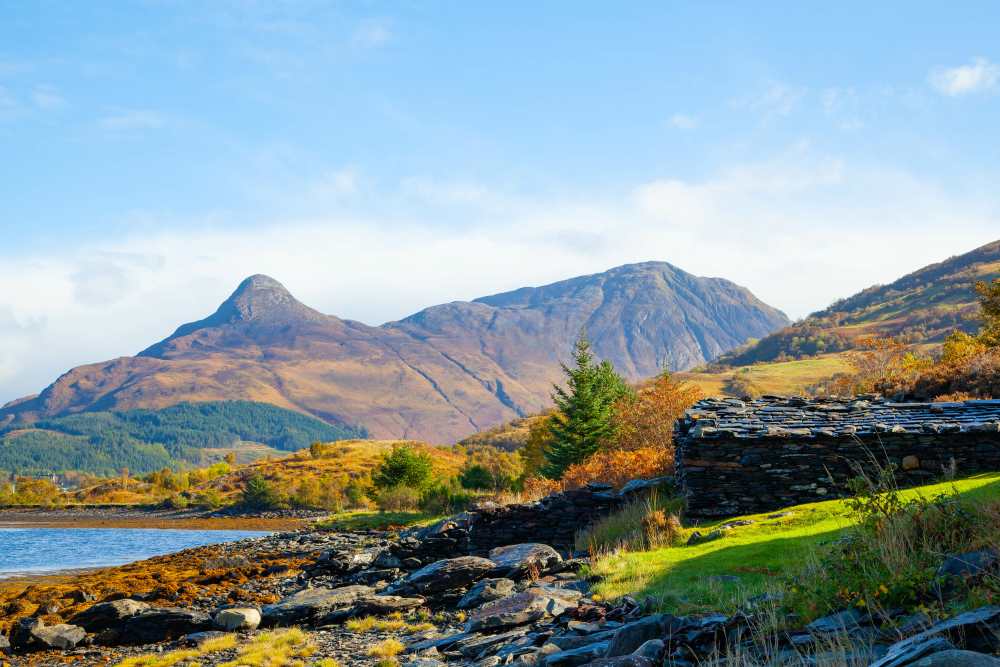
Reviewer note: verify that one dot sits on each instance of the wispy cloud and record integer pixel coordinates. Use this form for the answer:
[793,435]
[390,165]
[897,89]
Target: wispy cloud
[682,121]
[777,99]
[372,34]
[133,119]
[47,98]
[978,76]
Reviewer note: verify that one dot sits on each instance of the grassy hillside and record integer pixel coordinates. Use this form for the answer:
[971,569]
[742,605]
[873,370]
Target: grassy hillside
[921,307]
[749,558]
[103,443]
[783,378]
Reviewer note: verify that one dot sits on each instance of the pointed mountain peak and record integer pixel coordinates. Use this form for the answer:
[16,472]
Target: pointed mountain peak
[259,302]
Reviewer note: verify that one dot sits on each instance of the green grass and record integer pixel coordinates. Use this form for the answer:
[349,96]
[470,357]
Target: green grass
[375,520]
[680,578]
[785,377]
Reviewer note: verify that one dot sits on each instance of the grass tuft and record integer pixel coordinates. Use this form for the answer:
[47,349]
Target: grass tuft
[389,648]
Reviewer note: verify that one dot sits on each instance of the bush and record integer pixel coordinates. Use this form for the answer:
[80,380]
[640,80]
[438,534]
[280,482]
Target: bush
[258,494]
[618,467]
[398,499]
[445,499]
[403,466]
[477,477]
[640,525]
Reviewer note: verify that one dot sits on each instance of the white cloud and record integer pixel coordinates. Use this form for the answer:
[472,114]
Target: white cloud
[47,98]
[133,119]
[777,99]
[372,34]
[978,76]
[682,121]
[799,229]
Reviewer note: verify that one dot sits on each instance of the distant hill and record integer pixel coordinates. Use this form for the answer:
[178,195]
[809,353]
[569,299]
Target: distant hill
[141,440]
[922,307]
[439,375]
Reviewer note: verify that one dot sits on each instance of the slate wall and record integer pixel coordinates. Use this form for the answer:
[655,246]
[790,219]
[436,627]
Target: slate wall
[723,477]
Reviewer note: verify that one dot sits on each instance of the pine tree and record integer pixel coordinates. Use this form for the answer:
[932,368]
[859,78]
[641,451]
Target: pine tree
[584,418]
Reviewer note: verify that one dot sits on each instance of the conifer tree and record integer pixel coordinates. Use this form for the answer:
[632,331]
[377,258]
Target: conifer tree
[584,417]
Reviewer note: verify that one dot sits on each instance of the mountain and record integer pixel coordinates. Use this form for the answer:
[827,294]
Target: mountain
[921,307]
[438,375]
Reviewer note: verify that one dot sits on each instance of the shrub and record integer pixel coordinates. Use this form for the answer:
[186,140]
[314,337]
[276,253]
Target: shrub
[445,499]
[398,499]
[403,466]
[259,494]
[640,525]
[617,467]
[646,419]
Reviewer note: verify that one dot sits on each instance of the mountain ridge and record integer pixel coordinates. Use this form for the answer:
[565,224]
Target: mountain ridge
[439,374]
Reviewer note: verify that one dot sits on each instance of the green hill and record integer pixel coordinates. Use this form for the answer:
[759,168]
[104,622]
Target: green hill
[922,307]
[145,440]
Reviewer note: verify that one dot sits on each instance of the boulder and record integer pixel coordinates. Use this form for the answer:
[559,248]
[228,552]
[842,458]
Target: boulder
[31,634]
[631,636]
[532,605]
[956,658]
[241,618]
[445,576]
[382,605]
[486,590]
[478,645]
[976,630]
[519,560]
[106,615]
[968,566]
[842,621]
[577,656]
[157,625]
[312,603]
[699,538]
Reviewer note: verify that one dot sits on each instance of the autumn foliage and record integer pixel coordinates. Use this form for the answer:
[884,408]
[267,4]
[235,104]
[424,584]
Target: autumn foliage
[617,466]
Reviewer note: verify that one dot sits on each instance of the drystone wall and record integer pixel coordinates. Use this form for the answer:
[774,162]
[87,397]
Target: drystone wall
[736,457]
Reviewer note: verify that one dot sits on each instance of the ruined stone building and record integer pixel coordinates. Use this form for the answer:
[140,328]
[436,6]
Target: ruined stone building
[739,457]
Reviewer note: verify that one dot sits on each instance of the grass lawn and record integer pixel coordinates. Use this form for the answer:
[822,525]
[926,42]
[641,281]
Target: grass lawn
[684,579]
[785,377]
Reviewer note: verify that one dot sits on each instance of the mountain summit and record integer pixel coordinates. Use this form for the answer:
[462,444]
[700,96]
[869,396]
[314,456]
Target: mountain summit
[437,375]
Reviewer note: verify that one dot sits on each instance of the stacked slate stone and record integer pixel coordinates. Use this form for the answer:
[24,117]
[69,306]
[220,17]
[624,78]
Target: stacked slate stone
[745,456]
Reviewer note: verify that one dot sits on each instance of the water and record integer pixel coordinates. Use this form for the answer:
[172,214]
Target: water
[31,550]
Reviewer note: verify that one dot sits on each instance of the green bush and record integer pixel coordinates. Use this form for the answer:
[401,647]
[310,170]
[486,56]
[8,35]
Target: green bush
[259,494]
[445,498]
[477,477]
[403,466]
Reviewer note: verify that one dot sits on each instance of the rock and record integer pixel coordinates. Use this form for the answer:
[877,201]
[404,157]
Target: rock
[312,603]
[31,634]
[440,643]
[976,630]
[477,646]
[486,590]
[698,538]
[623,661]
[519,560]
[583,627]
[423,662]
[956,658]
[637,485]
[445,575]
[631,636]
[970,565]
[652,650]
[157,625]
[105,615]
[566,642]
[241,618]
[911,462]
[532,605]
[577,656]
[840,622]
[382,605]
[196,639]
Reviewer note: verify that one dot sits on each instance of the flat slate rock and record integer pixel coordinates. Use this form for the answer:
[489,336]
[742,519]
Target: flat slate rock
[312,603]
[975,630]
[578,656]
[446,575]
[106,615]
[31,634]
[518,560]
[486,590]
[532,605]
[158,625]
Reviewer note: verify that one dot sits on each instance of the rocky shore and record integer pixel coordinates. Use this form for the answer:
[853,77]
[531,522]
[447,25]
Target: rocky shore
[449,595]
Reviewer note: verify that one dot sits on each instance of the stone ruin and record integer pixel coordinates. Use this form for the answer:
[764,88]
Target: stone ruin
[748,456]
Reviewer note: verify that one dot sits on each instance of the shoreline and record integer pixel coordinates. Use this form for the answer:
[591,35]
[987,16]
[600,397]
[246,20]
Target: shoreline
[131,517]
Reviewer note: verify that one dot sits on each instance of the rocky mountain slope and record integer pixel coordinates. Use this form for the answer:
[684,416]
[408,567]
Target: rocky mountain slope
[921,307]
[441,374]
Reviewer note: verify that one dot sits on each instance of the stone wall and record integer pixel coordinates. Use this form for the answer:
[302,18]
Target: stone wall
[724,477]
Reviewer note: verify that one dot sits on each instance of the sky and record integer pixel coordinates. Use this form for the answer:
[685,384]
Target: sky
[378,158]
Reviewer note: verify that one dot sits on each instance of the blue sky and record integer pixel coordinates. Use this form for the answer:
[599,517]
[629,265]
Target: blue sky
[380,157]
